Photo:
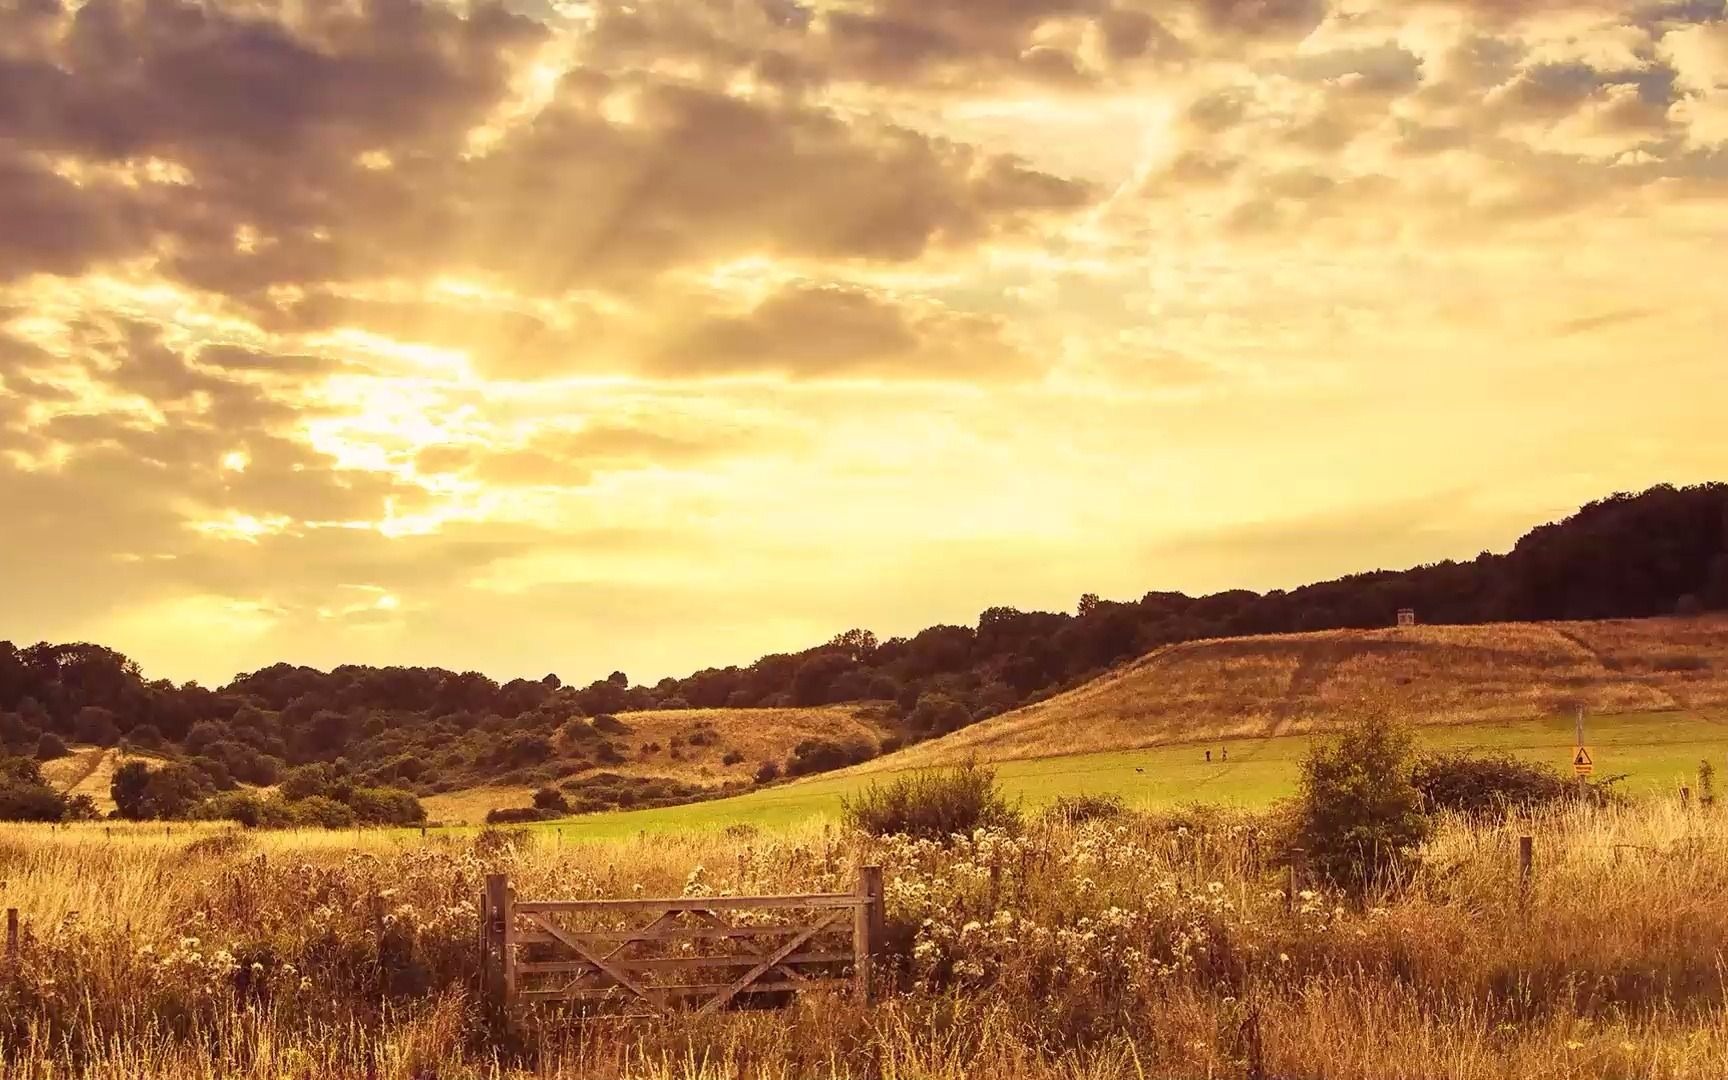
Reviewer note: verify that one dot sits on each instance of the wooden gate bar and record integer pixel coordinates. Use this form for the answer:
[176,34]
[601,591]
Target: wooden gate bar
[692,903]
[761,969]
[508,924]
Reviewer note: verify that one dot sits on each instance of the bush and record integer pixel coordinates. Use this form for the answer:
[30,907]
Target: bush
[607,724]
[50,746]
[320,812]
[938,714]
[932,803]
[608,754]
[24,801]
[767,772]
[732,757]
[241,806]
[1075,809]
[516,815]
[825,755]
[551,800]
[1487,786]
[1359,814]
[385,806]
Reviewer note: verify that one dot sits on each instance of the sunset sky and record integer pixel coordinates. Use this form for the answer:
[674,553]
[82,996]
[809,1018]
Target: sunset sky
[576,336]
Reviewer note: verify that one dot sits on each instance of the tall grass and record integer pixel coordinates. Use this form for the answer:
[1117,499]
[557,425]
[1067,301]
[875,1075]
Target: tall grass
[1134,946]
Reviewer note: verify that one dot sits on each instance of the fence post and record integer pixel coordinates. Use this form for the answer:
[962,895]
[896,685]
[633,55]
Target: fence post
[1290,890]
[12,934]
[1685,796]
[1526,857]
[867,930]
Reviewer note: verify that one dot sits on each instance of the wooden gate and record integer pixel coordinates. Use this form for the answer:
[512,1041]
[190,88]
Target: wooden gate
[551,951]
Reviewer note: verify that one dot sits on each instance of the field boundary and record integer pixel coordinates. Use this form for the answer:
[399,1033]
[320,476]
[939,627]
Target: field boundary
[531,953]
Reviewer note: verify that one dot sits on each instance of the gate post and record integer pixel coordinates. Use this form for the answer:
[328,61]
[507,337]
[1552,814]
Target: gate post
[500,918]
[867,929]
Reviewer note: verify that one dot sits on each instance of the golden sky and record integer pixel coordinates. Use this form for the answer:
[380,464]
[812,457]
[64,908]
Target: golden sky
[575,336]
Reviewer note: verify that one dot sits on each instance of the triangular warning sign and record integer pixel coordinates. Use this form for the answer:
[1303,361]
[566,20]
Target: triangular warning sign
[1582,757]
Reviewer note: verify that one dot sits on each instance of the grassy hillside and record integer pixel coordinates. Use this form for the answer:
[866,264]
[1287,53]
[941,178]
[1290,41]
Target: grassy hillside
[1655,692]
[1656,751]
[1284,684]
[689,745]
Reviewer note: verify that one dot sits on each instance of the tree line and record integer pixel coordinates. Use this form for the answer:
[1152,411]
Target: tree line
[420,729]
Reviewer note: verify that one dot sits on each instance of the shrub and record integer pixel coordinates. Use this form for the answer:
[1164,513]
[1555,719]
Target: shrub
[732,757]
[607,724]
[767,772]
[608,754]
[50,746]
[241,806]
[825,755]
[1487,786]
[938,714]
[23,794]
[385,806]
[932,803]
[308,781]
[1075,809]
[576,731]
[1359,814]
[551,800]
[94,724]
[516,815]
[525,749]
[319,812]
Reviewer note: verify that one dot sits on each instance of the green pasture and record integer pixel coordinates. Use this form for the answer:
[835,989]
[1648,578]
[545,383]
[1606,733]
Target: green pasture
[1656,751]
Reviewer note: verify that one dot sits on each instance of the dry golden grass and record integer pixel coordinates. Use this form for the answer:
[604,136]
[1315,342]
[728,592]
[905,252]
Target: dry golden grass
[1291,683]
[469,805]
[758,734]
[1138,947]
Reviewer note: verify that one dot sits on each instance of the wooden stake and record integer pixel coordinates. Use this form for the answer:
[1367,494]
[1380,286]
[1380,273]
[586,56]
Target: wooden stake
[867,931]
[1290,883]
[12,933]
[1526,859]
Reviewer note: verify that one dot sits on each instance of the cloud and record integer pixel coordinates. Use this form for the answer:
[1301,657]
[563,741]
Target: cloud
[827,331]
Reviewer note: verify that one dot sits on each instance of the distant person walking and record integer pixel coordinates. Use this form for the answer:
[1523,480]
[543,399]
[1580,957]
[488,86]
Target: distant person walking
[1226,753]
[1208,755]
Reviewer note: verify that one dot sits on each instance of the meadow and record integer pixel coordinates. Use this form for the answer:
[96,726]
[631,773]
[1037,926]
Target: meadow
[1139,945]
[1656,751]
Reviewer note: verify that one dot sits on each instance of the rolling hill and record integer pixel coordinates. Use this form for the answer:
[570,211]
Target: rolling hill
[1283,684]
[691,746]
